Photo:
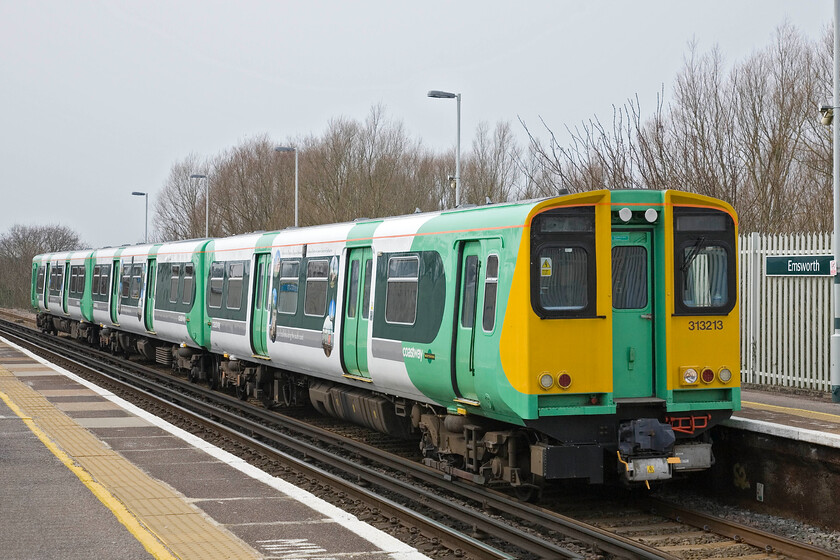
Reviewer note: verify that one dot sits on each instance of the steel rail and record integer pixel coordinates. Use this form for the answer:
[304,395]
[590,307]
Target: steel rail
[741,533]
[229,423]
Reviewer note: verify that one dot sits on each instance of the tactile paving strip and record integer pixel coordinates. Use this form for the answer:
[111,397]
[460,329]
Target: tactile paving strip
[158,516]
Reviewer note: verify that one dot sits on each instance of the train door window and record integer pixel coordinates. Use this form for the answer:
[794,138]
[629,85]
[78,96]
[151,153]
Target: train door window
[470,282]
[366,292]
[401,293]
[235,272]
[80,279]
[189,283]
[491,282]
[136,281]
[217,282]
[353,292]
[125,281]
[74,280]
[258,298]
[287,297]
[41,280]
[174,282]
[563,284]
[317,273]
[105,280]
[97,275]
[58,279]
[629,277]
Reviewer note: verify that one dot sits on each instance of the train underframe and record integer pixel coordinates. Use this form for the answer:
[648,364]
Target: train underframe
[638,445]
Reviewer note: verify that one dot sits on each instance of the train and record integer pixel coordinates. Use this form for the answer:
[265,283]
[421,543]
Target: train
[590,336]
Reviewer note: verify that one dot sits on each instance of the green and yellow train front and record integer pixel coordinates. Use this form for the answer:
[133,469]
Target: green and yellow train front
[620,339]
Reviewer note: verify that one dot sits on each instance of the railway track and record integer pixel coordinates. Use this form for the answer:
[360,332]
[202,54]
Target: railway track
[465,519]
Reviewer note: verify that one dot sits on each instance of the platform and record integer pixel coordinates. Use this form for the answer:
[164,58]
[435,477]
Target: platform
[84,475]
[803,418]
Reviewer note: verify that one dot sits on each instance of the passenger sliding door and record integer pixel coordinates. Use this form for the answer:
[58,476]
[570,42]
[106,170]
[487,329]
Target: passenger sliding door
[259,305]
[151,276]
[357,312]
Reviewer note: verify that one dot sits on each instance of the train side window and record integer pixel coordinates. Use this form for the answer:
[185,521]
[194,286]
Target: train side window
[217,281]
[235,271]
[174,281]
[104,279]
[401,293]
[563,283]
[563,263]
[353,291]
[704,262]
[706,276]
[491,283]
[287,297]
[189,283]
[317,273]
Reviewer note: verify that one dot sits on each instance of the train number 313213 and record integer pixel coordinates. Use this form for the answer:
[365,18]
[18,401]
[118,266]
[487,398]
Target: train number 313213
[705,325]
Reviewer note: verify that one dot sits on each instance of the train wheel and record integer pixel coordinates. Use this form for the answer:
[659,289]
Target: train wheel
[528,492]
[242,391]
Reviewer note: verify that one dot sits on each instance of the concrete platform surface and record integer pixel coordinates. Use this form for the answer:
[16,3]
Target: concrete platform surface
[84,475]
[799,417]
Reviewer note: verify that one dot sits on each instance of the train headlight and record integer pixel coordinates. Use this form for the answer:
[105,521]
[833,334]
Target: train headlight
[651,215]
[546,380]
[707,375]
[625,214]
[689,375]
[725,375]
[564,380]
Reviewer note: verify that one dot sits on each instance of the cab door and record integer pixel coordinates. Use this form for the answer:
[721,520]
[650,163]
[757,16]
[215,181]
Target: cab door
[259,305]
[465,322]
[632,314]
[356,320]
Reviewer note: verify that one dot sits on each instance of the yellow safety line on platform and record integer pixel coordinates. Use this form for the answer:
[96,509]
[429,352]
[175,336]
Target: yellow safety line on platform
[149,541]
[795,411]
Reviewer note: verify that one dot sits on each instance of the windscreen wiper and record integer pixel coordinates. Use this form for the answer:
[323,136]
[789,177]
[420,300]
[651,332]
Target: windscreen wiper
[695,250]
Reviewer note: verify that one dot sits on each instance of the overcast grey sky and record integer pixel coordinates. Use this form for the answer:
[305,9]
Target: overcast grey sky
[100,98]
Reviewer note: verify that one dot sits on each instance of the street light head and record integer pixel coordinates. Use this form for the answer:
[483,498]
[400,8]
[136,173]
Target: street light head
[284,149]
[827,112]
[138,193]
[198,176]
[441,94]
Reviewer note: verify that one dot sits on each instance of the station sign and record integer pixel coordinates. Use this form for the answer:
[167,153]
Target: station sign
[799,265]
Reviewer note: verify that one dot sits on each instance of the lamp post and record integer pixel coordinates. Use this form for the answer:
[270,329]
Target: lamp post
[290,149]
[834,377]
[199,176]
[146,233]
[437,94]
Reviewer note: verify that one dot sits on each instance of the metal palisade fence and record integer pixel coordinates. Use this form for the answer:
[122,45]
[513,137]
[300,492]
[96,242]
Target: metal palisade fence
[786,309]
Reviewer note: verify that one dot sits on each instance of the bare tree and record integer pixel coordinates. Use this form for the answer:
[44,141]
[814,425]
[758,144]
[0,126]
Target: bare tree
[746,134]
[17,248]
[491,169]
[179,209]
